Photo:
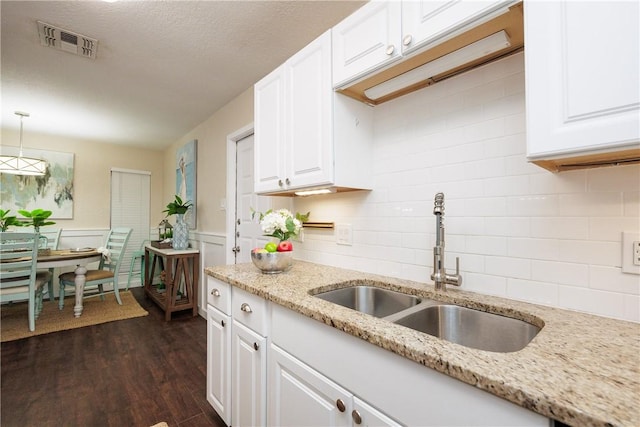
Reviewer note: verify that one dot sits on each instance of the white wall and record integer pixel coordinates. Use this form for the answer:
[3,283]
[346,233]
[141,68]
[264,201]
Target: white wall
[520,231]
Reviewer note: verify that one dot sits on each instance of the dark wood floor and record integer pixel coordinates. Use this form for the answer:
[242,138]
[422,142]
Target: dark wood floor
[135,372]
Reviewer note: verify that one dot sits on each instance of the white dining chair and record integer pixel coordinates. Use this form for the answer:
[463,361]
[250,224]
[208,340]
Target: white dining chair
[108,270]
[52,241]
[19,279]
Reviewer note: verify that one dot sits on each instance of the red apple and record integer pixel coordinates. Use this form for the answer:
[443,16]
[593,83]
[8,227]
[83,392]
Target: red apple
[285,246]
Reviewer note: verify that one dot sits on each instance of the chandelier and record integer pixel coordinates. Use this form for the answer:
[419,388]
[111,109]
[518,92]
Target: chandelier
[20,165]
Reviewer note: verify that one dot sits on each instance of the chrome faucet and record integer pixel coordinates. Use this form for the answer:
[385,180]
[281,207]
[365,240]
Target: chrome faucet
[439,276]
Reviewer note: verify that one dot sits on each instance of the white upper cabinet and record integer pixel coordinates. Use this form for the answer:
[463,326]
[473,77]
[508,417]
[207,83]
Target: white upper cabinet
[426,22]
[582,85]
[383,32]
[269,149]
[366,40]
[308,115]
[307,136]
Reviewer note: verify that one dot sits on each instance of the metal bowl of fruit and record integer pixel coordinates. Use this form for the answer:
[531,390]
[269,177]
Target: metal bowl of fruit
[271,262]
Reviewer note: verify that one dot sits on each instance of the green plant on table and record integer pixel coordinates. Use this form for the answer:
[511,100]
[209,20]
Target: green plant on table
[7,220]
[178,207]
[36,218]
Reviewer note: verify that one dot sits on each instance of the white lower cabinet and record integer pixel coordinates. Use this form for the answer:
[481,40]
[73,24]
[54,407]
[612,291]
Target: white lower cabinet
[268,365]
[219,362]
[249,377]
[298,395]
[386,389]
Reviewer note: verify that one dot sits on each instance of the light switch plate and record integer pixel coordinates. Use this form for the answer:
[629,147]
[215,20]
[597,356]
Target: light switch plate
[631,253]
[344,234]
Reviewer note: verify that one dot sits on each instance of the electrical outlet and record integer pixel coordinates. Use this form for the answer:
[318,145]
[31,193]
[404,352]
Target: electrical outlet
[631,253]
[344,234]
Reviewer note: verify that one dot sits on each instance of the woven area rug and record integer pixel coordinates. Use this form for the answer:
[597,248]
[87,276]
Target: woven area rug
[14,324]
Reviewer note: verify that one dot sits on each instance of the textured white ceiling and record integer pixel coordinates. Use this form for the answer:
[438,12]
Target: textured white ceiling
[162,67]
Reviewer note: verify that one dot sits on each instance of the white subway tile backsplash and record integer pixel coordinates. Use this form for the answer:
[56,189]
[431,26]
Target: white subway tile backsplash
[610,279]
[531,291]
[631,311]
[541,249]
[520,231]
[560,228]
[620,178]
[486,245]
[611,228]
[507,226]
[609,304]
[631,201]
[563,273]
[533,205]
[518,268]
[485,284]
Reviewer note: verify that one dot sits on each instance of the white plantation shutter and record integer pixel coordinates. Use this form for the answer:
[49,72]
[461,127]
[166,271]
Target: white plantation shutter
[130,199]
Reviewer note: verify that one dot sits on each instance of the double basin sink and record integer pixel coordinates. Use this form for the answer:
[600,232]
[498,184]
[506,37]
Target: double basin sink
[461,325]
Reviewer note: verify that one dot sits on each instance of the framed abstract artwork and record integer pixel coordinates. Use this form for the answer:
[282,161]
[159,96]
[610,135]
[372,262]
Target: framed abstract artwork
[53,191]
[186,168]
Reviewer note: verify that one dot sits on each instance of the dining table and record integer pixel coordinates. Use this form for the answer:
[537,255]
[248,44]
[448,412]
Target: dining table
[54,258]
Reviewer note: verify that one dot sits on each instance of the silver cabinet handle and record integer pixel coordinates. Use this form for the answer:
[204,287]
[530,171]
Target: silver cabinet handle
[279,183]
[340,405]
[407,40]
[390,49]
[215,293]
[287,181]
[356,417]
[256,346]
[246,307]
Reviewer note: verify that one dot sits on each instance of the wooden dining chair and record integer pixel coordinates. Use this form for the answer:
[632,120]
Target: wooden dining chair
[51,241]
[108,270]
[19,279]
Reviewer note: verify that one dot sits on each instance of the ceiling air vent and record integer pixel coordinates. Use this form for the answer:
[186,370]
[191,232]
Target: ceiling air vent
[67,41]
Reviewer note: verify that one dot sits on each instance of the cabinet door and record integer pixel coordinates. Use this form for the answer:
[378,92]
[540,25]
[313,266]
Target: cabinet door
[427,22]
[309,115]
[269,150]
[249,369]
[582,85]
[219,362]
[300,396]
[366,40]
[366,415]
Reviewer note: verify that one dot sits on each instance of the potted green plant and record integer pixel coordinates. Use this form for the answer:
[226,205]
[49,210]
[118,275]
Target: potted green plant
[180,239]
[7,220]
[178,207]
[36,218]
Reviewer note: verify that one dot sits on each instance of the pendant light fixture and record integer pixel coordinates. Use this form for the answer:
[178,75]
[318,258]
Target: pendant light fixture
[20,165]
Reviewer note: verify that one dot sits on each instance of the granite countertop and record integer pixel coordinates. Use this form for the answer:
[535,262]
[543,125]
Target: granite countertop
[580,369]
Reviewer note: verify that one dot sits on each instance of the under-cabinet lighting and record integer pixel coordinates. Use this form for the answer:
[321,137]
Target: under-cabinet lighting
[476,50]
[313,192]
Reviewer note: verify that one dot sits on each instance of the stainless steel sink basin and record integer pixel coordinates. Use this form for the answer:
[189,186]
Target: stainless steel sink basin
[371,300]
[471,328]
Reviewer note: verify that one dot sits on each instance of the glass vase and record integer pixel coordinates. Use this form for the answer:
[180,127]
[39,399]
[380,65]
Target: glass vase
[180,233]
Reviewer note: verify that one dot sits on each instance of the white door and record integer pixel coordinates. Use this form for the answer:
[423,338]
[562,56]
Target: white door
[248,233]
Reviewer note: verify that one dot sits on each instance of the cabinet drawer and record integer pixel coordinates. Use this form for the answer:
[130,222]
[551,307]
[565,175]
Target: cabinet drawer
[219,295]
[250,310]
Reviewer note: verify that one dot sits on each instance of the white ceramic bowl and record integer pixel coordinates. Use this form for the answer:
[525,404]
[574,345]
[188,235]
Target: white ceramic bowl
[272,262]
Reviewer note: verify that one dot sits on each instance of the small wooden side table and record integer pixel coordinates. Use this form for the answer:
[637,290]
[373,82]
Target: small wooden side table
[181,277]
